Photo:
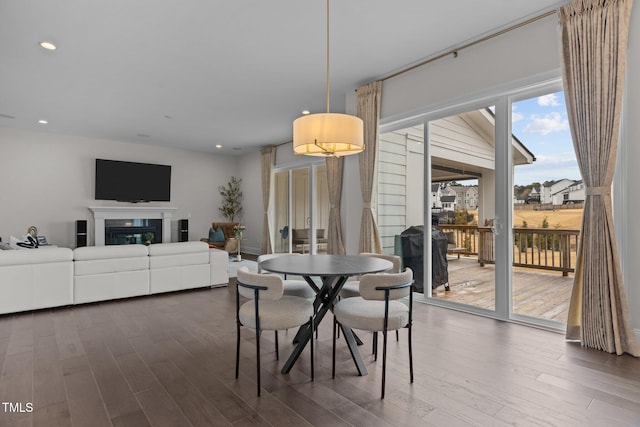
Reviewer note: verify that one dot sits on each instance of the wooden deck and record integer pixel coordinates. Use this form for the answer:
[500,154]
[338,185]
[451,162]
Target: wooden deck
[535,293]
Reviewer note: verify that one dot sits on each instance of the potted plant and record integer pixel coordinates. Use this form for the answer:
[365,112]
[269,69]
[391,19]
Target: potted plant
[231,199]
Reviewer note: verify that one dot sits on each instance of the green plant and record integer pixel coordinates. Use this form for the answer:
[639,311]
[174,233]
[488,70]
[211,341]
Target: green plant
[231,199]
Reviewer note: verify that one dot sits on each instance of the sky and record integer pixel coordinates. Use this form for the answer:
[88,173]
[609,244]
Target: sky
[541,124]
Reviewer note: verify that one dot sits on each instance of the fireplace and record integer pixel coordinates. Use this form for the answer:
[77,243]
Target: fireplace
[131,225]
[132,231]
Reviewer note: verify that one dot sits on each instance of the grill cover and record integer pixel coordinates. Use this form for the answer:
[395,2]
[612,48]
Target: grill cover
[412,254]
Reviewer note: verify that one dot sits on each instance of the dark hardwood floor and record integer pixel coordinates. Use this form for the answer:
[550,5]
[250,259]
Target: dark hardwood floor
[168,360]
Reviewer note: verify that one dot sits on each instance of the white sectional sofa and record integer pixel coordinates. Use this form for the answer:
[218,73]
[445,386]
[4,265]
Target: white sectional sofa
[109,272]
[175,266]
[32,279]
[50,277]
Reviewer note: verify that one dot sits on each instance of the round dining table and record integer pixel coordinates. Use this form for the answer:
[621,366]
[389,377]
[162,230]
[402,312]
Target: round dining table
[333,271]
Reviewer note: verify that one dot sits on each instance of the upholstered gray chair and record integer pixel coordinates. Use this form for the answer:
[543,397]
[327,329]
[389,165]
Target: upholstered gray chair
[268,309]
[378,309]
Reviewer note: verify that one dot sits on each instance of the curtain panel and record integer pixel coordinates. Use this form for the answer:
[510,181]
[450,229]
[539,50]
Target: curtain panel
[335,246]
[368,109]
[267,158]
[594,46]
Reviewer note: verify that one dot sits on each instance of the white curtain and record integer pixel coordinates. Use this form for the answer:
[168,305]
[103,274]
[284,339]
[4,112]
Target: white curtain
[594,47]
[368,110]
[267,157]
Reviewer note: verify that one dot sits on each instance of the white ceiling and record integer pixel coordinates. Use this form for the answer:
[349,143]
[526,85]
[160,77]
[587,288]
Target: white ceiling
[195,73]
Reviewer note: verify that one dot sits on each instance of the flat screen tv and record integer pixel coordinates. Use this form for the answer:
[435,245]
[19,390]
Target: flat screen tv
[132,182]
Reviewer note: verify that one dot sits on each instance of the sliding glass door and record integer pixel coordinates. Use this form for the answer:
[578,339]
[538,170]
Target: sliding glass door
[301,209]
[498,197]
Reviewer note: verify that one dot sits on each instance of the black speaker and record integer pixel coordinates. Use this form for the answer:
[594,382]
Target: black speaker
[81,233]
[183,230]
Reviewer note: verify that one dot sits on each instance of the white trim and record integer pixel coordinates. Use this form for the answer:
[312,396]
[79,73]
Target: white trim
[473,101]
[102,213]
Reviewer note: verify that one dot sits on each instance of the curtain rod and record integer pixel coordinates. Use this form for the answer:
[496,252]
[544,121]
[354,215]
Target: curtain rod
[455,51]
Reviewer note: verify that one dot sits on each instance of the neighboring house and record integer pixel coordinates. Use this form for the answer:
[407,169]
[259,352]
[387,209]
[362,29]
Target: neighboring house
[575,193]
[466,196]
[448,203]
[534,195]
[552,188]
[436,194]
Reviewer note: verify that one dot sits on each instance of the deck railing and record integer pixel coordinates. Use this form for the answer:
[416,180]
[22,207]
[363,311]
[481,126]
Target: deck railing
[539,248]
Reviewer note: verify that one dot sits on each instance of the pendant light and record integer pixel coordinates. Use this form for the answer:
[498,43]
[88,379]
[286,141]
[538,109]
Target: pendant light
[328,134]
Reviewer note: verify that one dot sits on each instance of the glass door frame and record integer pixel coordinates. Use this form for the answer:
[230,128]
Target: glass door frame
[312,167]
[502,98]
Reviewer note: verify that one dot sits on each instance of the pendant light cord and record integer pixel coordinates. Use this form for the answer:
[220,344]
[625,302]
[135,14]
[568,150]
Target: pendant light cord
[328,69]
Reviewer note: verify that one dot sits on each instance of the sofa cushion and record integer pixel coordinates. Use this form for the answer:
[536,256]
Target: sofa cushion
[110,265]
[106,252]
[38,256]
[178,248]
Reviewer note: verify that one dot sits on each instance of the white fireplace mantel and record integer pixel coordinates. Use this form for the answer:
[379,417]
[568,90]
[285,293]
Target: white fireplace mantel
[102,213]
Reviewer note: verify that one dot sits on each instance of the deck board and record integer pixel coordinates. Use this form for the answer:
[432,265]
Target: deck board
[536,293]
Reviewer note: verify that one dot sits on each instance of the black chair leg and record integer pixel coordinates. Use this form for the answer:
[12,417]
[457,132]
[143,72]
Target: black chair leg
[410,356]
[237,349]
[277,353]
[397,335]
[258,358]
[384,361]
[374,350]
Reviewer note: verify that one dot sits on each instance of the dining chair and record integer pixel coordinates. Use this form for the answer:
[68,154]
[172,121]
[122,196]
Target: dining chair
[268,309]
[352,289]
[378,309]
[293,287]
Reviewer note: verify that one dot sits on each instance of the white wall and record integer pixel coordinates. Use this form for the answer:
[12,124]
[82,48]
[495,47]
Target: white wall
[47,180]
[249,169]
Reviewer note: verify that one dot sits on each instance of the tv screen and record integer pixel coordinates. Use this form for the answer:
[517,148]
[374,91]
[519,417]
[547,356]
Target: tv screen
[132,182]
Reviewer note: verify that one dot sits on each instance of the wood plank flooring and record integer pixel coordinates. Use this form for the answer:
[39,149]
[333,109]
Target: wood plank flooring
[168,360]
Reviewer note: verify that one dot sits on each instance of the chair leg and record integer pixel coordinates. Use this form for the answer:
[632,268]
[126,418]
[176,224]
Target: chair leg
[237,349]
[333,360]
[397,335]
[384,361]
[410,355]
[258,358]
[277,353]
[374,350]
[311,340]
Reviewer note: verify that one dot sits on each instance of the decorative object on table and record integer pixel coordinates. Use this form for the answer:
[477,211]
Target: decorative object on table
[148,238]
[231,199]
[328,134]
[239,230]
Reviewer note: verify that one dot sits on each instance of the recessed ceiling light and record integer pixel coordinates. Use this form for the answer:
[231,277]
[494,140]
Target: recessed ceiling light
[305,112]
[48,45]
[43,122]
[218,146]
